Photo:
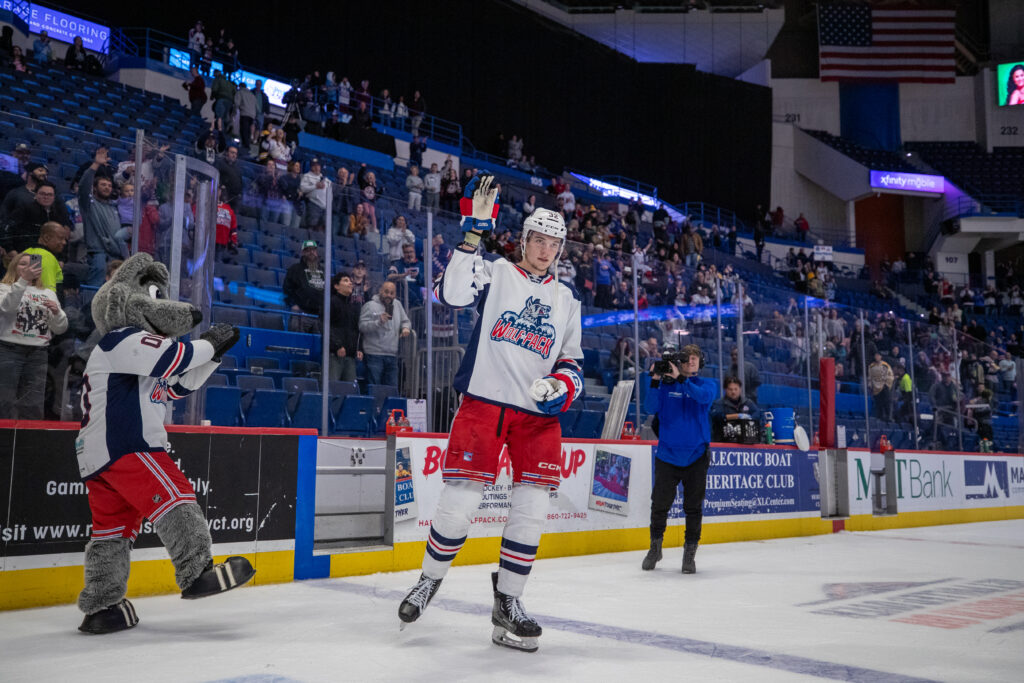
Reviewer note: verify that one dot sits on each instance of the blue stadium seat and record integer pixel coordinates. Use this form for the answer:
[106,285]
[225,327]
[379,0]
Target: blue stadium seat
[568,422]
[380,392]
[356,416]
[261,362]
[267,409]
[222,405]
[588,425]
[306,414]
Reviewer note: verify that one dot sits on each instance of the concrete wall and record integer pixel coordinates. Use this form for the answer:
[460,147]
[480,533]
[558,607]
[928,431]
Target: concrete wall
[795,193]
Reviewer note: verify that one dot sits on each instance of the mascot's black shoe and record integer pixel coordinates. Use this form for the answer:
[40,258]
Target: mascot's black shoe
[117,617]
[217,578]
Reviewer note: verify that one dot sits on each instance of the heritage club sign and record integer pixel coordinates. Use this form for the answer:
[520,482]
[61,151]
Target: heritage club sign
[908,182]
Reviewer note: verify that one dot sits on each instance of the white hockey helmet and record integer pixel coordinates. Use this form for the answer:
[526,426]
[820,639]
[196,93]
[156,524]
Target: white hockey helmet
[546,222]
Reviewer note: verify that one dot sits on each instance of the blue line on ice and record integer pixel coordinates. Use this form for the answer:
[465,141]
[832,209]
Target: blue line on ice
[732,653]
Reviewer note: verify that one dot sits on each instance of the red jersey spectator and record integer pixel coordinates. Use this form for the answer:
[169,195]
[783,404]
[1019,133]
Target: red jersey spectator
[227,227]
[802,227]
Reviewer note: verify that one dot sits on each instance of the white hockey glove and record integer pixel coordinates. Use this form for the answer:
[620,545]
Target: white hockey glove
[481,278]
[479,206]
[550,393]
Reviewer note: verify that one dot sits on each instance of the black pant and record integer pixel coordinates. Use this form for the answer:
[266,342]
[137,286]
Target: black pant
[667,477]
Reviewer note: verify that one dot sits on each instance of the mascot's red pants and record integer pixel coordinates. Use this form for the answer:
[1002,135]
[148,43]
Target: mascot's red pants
[136,486]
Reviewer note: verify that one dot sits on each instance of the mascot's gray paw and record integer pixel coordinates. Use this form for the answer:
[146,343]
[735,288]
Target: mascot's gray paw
[222,336]
[106,574]
[185,534]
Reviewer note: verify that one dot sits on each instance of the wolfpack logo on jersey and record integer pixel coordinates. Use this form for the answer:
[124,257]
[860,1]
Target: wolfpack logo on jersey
[525,328]
[159,394]
[529,327]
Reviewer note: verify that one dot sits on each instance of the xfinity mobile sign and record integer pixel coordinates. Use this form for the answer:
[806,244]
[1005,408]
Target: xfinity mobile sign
[60,25]
[908,182]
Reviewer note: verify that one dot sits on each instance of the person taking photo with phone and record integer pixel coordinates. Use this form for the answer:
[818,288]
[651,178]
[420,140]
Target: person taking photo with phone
[681,402]
[29,317]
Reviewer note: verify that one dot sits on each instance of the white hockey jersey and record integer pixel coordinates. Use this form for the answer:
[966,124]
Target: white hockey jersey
[528,327]
[130,376]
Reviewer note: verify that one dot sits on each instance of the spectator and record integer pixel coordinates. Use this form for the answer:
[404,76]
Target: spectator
[344,94]
[245,102]
[409,270]
[397,236]
[277,147]
[432,185]
[74,57]
[25,221]
[344,344]
[304,289]
[100,217]
[361,118]
[196,40]
[944,397]
[230,177]
[222,91]
[272,208]
[344,193]
[451,190]
[262,105]
[604,271]
[288,185]
[42,51]
[22,197]
[6,44]
[880,381]
[417,110]
[515,149]
[1007,373]
[227,227]
[621,359]
[568,200]
[196,91]
[368,188]
[692,246]
[732,406]
[362,288]
[402,114]
[416,149]
[358,223]
[802,227]
[314,189]
[18,62]
[905,385]
[623,298]
[415,185]
[51,248]
[387,109]
[441,254]
[382,322]
[30,316]
[209,145]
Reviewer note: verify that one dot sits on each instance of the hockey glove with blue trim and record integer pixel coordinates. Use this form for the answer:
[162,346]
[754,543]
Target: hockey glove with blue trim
[555,393]
[479,204]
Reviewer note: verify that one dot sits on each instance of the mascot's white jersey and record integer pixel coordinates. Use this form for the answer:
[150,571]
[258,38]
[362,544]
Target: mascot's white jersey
[130,376]
[528,327]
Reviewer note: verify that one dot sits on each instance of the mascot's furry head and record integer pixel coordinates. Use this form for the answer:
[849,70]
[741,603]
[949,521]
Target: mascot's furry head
[136,296]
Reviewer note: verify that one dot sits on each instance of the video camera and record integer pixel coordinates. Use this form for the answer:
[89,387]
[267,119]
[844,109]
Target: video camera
[664,366]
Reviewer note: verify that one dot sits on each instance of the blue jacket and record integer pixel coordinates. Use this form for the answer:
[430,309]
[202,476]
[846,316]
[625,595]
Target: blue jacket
[683,410]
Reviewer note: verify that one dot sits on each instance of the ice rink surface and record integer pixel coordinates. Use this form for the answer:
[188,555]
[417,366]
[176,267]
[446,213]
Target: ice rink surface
[939,603]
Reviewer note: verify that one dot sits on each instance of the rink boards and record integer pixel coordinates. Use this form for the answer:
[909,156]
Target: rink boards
[258,489]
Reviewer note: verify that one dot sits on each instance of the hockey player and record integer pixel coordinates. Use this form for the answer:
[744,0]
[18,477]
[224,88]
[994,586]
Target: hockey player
[522,367]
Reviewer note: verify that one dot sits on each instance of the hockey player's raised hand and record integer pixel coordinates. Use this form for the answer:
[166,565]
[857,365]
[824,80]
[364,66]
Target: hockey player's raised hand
[479,205]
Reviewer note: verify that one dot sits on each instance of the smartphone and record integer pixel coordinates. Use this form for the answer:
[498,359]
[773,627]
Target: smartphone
[34,260]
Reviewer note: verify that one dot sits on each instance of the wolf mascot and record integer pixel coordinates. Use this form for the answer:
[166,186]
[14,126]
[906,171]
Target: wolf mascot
[122,455]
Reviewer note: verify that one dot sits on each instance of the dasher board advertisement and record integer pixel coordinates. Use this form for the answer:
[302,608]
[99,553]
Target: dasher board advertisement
[405,493]
[609,491]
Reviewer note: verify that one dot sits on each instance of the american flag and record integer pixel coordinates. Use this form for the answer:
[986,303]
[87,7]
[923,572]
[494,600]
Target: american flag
[911,45]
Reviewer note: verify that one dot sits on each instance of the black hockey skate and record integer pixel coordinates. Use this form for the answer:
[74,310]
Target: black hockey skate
[117,617]
[512,626]
[653,555]
[417,600]
[218,578]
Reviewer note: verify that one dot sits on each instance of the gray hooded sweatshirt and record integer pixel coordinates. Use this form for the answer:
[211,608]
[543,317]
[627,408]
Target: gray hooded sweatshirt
[381,339]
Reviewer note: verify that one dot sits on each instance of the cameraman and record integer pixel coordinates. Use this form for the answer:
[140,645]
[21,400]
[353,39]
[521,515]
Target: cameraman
[681,401]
